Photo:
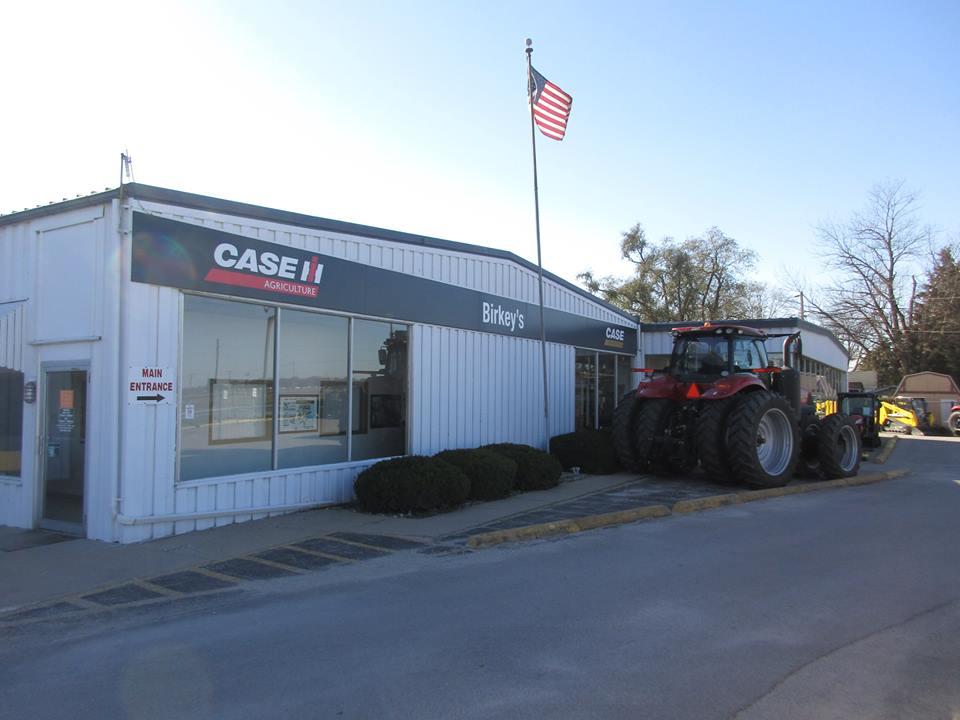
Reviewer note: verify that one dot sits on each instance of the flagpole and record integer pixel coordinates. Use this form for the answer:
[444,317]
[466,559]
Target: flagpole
[536,211]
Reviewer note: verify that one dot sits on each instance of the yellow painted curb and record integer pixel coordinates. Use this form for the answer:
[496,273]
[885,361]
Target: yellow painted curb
[888,445]
[705,503]
[574,525]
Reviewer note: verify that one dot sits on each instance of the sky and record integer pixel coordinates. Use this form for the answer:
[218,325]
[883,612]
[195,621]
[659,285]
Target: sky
[761,118]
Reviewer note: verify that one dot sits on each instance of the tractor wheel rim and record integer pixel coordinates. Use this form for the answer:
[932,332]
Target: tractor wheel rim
[847,441]
[774,441]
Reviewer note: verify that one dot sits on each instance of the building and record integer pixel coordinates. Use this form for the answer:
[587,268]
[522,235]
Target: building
[170,362]
[938,390]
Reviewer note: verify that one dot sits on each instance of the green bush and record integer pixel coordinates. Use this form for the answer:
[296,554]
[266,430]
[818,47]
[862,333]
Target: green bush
[590,450]
[492,476]
[536,470]
[412,484]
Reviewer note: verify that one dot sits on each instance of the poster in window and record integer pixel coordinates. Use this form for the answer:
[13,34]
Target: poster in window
[298,413]
[239,411]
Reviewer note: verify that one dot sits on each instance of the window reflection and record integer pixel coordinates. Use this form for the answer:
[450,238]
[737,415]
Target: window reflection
[226,418]
[229,385]
[379,389]
[312,417]
[11,421]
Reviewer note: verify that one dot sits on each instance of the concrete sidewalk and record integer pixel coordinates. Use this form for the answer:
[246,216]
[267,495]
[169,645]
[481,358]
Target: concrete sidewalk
[44,568]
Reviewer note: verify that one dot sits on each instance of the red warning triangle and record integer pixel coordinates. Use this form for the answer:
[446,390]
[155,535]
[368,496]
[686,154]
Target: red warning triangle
[693,392]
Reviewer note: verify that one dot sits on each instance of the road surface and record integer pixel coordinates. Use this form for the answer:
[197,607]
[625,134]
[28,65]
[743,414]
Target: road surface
[838,604]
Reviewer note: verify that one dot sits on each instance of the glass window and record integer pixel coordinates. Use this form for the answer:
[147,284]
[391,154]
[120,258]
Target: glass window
[703,355]
[379,389]
[11,421]
[607,376]
[226,424]
[585,389]
[748,353]
[312,417]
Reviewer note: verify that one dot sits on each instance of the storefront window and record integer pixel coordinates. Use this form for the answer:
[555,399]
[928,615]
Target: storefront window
[601,380]
[379,389]
[11,421]
[229,389]
[585,389]
[607,386]
[226,424]
[312,417]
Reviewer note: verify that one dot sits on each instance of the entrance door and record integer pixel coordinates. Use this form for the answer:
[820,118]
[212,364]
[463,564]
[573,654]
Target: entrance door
[64,450]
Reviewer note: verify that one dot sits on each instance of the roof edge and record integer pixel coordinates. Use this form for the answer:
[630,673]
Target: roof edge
[194,201]
[759,323]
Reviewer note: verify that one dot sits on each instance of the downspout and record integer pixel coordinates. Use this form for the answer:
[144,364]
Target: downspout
[121,352]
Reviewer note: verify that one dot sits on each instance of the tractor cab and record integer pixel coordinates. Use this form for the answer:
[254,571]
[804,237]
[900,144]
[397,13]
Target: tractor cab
[864,408]
[710,352]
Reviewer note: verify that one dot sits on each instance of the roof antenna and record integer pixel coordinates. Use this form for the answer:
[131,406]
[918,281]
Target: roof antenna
[126,167]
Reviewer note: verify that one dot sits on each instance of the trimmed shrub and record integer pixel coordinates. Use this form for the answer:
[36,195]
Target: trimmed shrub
[536,470]
[492,476]
[590,450]
[412,484]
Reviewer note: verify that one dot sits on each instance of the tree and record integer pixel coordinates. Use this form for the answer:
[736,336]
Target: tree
[701,278]
[870,303]
[936,335]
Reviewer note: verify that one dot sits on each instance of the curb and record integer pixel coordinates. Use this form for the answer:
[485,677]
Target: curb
[592,522]
[888,445]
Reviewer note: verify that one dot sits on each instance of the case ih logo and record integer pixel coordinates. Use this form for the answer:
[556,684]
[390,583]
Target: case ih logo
[614,337]
[265,271]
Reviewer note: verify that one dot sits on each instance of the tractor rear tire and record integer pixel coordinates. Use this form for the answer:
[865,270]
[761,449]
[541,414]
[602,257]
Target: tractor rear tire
[808,461]
[712,440]
[839,447]
[624,417]
[649,425]
[763,440]
[954,423]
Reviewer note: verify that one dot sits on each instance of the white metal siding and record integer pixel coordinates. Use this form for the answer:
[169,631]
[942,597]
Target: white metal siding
[66,314]
[473,388]
[12,320]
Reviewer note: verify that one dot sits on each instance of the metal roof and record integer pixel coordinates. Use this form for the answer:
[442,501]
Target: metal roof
[193,201]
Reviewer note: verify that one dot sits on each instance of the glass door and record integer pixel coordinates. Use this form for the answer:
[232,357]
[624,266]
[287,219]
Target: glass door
[64,449]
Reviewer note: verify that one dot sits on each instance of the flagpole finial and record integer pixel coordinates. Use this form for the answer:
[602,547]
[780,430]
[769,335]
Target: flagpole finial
[529,46]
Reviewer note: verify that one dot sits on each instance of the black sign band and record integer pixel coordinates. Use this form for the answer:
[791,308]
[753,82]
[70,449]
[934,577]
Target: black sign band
[192,257]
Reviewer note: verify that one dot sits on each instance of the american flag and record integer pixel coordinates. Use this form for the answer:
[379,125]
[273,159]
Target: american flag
[551,106]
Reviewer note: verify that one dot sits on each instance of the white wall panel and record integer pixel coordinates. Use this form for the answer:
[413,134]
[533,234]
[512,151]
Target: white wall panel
[12,321]
[472,388]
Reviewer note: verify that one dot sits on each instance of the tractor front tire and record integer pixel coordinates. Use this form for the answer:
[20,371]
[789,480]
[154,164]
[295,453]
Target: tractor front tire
[649,425]
[954,423]
[712,440]
[624,417]
[808,461]
[838,447]
[762,440]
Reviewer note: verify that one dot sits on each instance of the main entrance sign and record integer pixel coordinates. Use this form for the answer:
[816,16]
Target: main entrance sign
[193,257]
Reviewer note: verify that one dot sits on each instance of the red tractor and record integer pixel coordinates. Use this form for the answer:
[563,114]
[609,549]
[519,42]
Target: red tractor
[953,420]
[721,403]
